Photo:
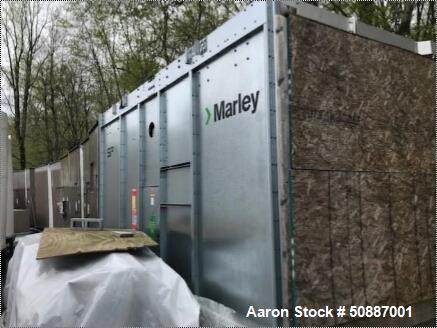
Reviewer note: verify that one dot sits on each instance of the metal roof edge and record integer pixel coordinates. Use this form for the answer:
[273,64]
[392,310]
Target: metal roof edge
[352,25]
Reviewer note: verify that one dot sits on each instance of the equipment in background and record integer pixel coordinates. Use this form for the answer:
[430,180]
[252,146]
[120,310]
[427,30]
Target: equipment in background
[86,223]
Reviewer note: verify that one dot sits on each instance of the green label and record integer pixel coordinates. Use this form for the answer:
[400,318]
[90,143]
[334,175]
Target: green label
[152,226]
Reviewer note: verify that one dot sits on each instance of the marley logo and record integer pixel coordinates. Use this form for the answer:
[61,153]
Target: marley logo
[226,109]
[208,117]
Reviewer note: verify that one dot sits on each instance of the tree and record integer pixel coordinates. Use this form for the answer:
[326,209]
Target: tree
[74,60]
[22,27]
[414,19]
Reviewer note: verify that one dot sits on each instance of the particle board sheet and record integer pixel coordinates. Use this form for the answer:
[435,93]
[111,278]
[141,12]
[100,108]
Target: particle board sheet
[363,238]
[363,160]
[425,189]
[424,209]
[356,259]
[377,237]
[432,225]
[359,104]
[313,250]
[65,241]
[405,243]
[339,231]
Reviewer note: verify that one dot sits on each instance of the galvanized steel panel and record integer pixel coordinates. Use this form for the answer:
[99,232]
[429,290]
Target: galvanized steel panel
[176,192]
[74,188]
[151,203]
[41,197]
[112,174]
[65,173]
[19,189]
[178,238]
[74,168]
[58,195]
[179,123]
[132,163]
[237,224]
[179,188]
[151,139]
[92,175]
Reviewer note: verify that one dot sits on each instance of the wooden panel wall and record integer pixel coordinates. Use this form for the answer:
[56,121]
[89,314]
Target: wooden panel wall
[363,170]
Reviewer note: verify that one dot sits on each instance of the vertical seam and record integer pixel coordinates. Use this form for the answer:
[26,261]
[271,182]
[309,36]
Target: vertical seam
[330,240]
[348,242]
[416,237]
[392,238]
[362,240]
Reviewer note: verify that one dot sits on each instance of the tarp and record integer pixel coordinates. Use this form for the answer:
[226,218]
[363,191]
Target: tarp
[213,314]
[95,290]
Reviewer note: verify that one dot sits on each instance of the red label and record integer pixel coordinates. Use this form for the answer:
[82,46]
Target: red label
[134,194]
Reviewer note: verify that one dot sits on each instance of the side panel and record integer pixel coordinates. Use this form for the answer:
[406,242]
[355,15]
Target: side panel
[151,191]
[363,154]
[19,190]
[175,177]
[92,181]
[111,175]
[41,197]
[60,216]
[58,195]
[179,123]
[132,164]
[151,139]
[73,189]
[151,210]
[237,252]
[90,174]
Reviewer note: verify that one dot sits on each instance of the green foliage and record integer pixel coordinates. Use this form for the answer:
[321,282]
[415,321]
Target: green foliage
[414,19]
[96,51]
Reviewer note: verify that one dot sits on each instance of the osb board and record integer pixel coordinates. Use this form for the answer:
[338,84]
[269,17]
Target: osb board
[350,182]
[363,238]
[363,145]
[65,241]
[359,104]
[339,231]
[425,218]
[405,242]
[314,281]
[379,274]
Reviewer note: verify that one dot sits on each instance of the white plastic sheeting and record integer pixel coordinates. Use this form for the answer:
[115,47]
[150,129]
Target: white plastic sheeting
[95,290]
[213,314]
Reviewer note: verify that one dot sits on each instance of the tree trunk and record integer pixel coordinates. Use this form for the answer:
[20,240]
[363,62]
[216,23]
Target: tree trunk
[56,148]
[22,150]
